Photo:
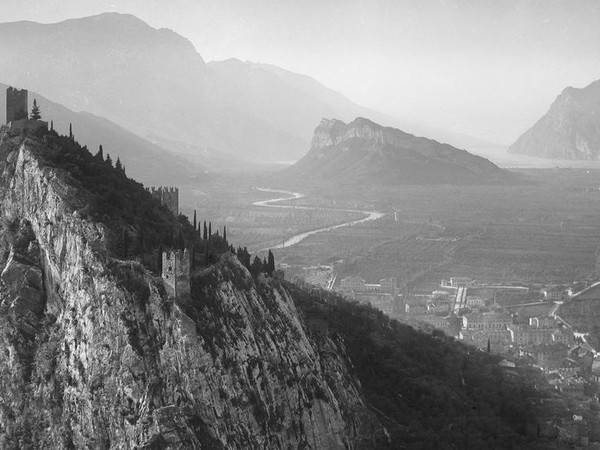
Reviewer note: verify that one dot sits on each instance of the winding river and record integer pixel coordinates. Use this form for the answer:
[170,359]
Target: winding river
[287,195]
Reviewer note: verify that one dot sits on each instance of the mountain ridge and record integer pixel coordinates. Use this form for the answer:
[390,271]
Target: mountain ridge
[155,84]
[365,151]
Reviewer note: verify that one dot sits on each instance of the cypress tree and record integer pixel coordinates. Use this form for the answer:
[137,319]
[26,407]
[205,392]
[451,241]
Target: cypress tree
[195,223]
[209,229]
[71,130]
[35,111]
[224,233]
[52,125]
[488,346]
[271,263]
[205,237]
[118,165]
[100,153]
[108,159]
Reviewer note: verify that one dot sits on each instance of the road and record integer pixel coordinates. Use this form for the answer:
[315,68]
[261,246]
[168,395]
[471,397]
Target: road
[295,239]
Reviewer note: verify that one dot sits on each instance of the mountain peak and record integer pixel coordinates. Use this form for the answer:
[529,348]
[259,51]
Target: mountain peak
[569,130]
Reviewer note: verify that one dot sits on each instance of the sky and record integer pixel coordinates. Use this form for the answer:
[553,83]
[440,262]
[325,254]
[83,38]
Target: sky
[487,68]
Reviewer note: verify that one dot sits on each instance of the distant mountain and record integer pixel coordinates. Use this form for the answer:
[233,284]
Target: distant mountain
[294,103]
[363,151]
[145,161]
[569,130]
[155,84]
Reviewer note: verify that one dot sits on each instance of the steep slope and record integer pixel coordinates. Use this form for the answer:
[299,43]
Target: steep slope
[97,355]
[569,130]
[144,160]
[363,151]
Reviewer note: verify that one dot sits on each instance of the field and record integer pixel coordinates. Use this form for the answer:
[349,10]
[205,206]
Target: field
[544,230]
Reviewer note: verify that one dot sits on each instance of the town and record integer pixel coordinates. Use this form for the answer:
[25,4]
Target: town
[521,324]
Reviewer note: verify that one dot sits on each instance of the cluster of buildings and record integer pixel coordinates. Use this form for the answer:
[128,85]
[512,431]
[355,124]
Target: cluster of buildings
[380,295]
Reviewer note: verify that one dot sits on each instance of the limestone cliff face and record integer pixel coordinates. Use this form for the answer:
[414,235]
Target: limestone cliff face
[95,354]
[569,130]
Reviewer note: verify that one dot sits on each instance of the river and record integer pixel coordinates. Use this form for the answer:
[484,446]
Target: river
[295,239]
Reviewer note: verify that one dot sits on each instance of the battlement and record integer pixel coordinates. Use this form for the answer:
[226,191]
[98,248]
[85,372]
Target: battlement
[176,267]
[168,196]
[16,104]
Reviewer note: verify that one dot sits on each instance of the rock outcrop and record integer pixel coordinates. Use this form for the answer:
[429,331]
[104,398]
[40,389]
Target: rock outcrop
[569,130]
[95,354]
[367,152]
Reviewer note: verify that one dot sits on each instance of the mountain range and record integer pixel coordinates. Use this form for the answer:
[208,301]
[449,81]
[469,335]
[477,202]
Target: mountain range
[155,84]
[569,130]
[363,151]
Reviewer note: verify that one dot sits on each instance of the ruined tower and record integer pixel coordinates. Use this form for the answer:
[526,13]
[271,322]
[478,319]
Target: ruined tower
[176,272]
[168,196]
[16,104]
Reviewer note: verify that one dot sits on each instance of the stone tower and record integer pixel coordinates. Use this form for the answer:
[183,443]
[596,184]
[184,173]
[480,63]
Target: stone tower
[168,196]
[176,272]
[16,104]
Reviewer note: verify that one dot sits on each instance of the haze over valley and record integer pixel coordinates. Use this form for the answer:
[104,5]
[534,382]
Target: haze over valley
[325,225]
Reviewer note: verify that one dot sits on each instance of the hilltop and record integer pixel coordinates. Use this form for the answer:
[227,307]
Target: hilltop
[569,130]
[363,151]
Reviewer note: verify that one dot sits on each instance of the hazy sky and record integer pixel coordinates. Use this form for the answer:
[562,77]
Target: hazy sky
[488,68]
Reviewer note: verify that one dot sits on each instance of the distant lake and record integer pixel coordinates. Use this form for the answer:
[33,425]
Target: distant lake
[500,157]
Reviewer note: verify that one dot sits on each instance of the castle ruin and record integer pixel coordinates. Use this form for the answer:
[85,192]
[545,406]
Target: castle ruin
[168,196]
[176,266]
[16,104]
[17,116]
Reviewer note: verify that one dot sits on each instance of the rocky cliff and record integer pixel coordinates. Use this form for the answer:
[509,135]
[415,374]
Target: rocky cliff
[569,130]
[367,152]
[96,355]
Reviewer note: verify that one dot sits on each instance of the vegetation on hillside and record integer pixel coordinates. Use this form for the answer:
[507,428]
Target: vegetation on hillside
[427,389]
[140,226]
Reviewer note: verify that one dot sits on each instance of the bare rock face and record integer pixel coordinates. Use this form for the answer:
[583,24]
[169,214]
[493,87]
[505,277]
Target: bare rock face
[96,355]
[569,130]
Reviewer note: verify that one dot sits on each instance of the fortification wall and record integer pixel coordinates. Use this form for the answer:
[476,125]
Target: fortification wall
[168,196]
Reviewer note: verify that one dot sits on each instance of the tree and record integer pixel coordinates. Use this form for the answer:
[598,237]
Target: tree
[35,111]
[52,125]
[271,263]
[209,229]
[195,222]
[100,154]
[71,130]
[224,233]
[118,165]
[205,236]
[257,267]
[108,159]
